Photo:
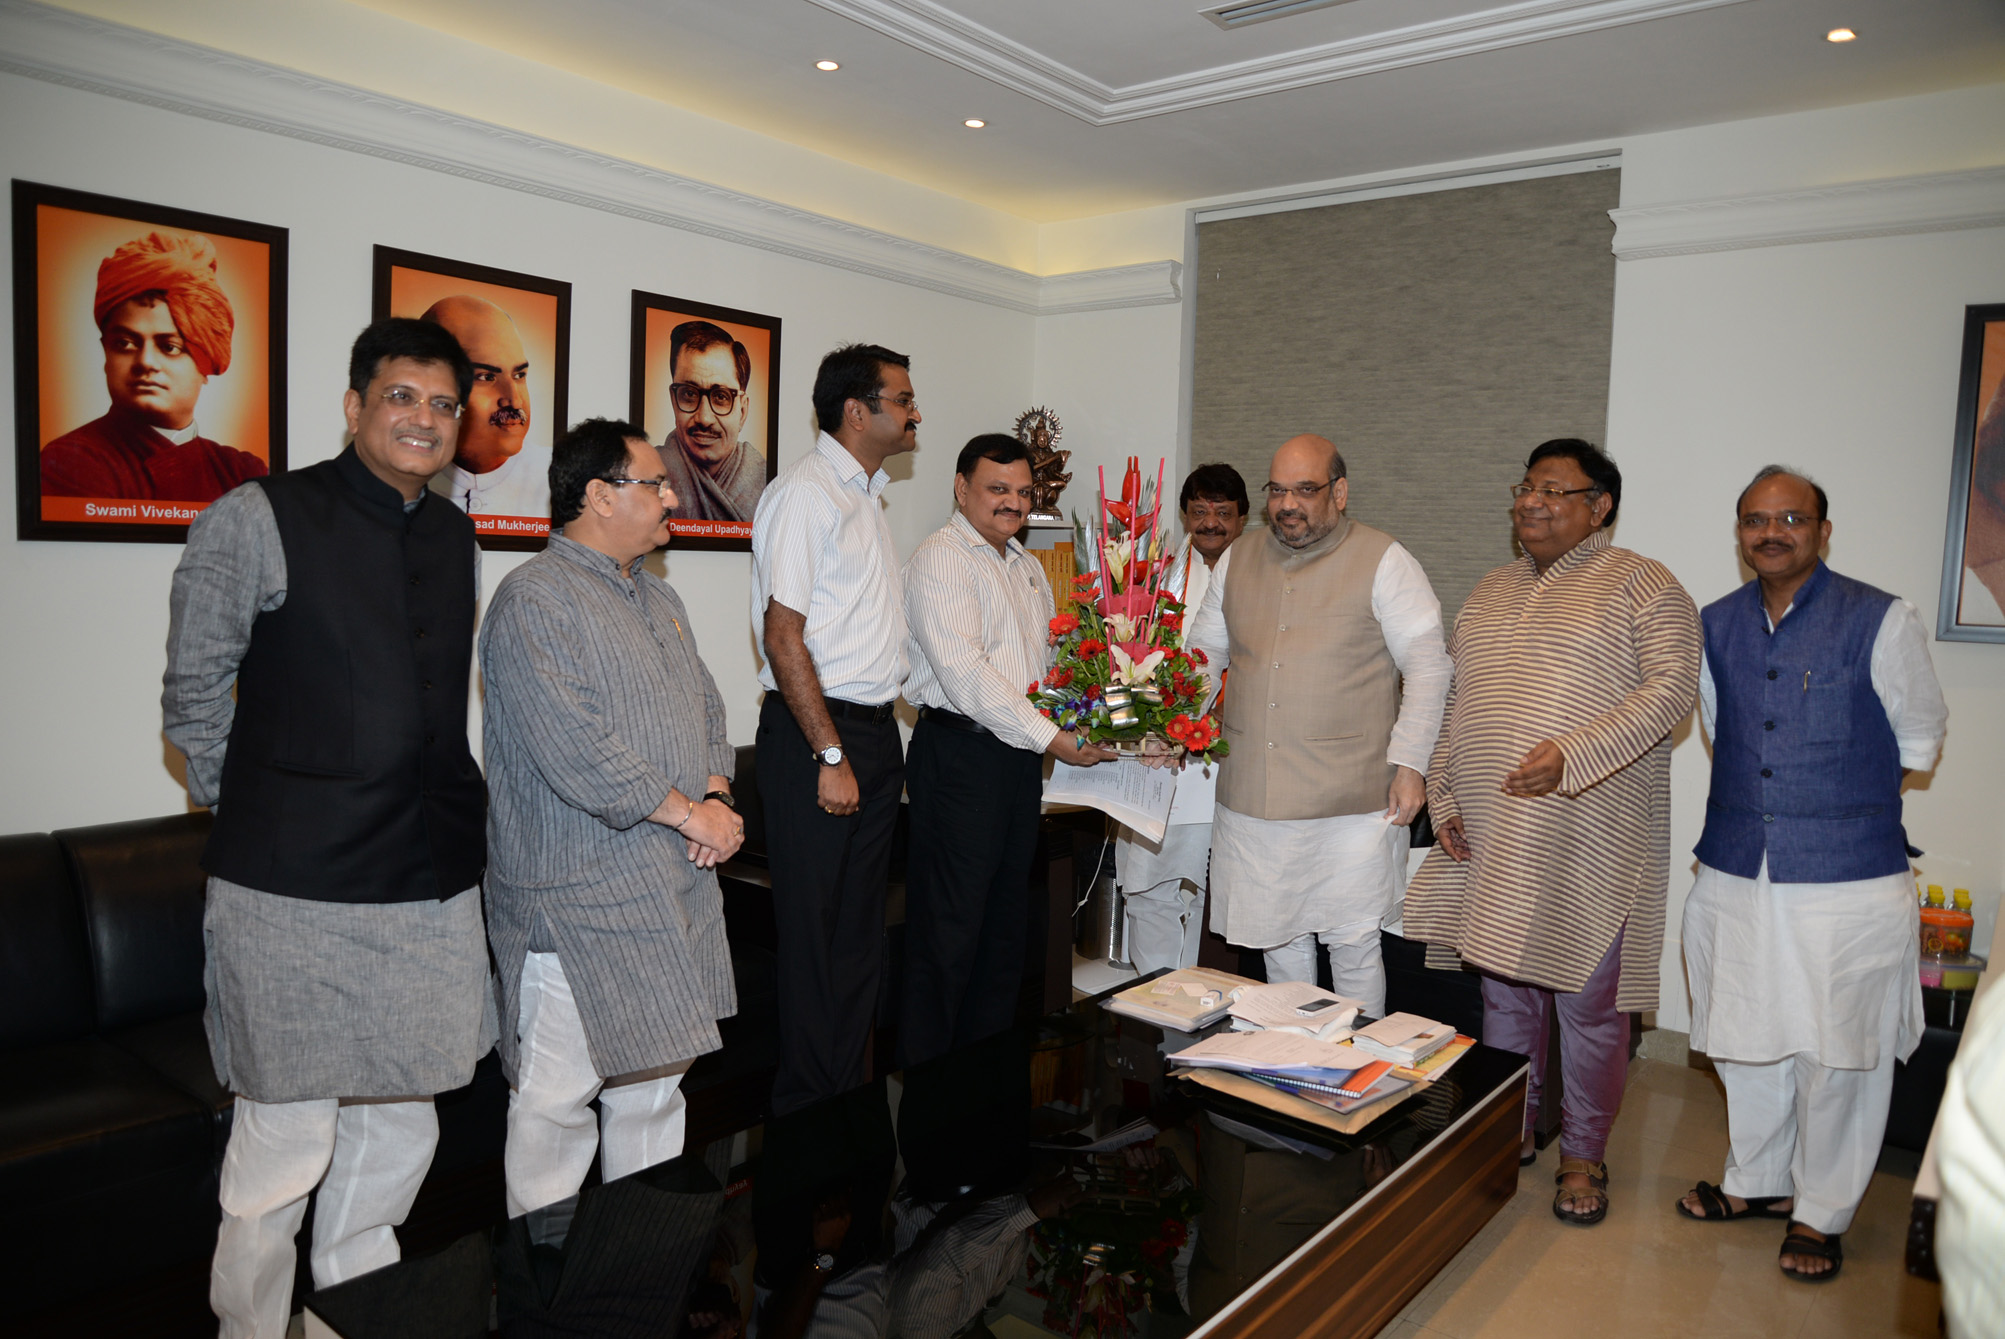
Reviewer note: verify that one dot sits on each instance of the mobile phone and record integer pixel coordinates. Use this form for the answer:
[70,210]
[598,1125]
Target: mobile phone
[1315,1007]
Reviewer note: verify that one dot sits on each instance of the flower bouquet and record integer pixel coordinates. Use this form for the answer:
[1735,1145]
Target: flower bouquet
[1122,676]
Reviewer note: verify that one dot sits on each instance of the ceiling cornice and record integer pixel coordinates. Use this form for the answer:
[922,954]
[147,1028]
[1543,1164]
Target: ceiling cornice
[76,51]
[938,31]
[1938,202]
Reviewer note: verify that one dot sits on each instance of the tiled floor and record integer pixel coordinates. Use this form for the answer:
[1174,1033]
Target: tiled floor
[1646,1271]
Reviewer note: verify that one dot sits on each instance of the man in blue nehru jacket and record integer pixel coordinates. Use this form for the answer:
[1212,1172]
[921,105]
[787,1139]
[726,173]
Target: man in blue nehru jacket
[1800,932]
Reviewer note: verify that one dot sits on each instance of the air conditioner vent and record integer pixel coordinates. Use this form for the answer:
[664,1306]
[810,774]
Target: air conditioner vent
[1260,11]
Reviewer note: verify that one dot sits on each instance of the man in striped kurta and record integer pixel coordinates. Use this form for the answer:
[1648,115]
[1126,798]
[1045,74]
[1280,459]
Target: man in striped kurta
[610,807]
[1550,792]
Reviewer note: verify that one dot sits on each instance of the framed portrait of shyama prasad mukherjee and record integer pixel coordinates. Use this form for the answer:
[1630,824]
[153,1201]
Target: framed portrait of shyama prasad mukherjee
[149,363]
[702,387]
[1973,560]
[516,329]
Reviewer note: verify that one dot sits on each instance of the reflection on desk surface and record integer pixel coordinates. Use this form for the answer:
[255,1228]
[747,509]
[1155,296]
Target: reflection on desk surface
[1051,1178]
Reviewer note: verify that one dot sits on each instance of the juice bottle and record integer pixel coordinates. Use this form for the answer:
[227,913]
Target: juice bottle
[1940,925]
[1957,927]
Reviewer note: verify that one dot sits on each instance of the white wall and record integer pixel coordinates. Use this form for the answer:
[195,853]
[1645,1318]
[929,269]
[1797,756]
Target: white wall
[86,623]
[1839,357]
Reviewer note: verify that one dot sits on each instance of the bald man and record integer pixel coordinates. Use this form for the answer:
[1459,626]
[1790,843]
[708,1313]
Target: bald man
[1339,679]
[165,325]
[493,473]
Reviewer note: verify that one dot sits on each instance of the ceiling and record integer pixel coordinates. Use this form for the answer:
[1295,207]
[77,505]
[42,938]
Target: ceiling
[1095,106]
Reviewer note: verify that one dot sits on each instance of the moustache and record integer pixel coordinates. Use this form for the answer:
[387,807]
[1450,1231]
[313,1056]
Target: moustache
[708,431]
[508,416]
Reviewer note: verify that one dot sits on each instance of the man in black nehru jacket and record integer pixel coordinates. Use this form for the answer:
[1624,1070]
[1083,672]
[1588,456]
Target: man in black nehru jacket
[347,965]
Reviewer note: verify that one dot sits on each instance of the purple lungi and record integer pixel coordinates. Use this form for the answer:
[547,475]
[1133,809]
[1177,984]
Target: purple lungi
[1593,1049]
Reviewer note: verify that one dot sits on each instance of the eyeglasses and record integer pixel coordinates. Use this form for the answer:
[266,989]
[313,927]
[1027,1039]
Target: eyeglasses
[402,399]
[686,394]
[1307,492]
[1548,494]
[659,483]
[1755,522]
[907,401]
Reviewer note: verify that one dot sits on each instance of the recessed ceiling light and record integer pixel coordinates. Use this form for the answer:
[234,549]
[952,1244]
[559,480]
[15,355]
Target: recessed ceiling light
[974,123]
[827,65]
[1840,35]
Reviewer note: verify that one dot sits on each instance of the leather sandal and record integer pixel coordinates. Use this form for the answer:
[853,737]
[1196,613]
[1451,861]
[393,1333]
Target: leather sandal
[1567,1196]
[1828,1249]
[1717,1209]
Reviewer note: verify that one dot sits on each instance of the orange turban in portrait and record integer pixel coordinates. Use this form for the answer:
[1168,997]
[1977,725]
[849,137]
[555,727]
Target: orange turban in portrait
[182,267]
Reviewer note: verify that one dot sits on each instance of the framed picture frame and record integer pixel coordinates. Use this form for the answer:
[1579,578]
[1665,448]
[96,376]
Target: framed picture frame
[517,330]
[149,363]
[702,387]
[1973,560]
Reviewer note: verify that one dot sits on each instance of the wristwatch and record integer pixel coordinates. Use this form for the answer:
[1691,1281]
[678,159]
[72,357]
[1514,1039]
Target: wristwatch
[830,756]
[723,796]
[824,1263]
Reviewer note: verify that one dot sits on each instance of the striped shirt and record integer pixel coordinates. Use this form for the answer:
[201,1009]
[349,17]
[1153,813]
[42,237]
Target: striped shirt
[821,548]
[1601,656]
[597,703]
[979,621]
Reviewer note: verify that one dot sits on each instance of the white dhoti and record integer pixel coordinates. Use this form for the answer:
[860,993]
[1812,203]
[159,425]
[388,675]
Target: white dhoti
[1278,882]
[1804,995]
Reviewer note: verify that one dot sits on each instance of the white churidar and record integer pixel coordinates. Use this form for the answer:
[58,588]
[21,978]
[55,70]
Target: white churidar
[552,1134]
[373,1156]
[1357,969]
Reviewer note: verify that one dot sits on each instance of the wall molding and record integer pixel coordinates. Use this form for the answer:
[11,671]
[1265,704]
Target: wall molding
[1938,202]
[77,51]
[931,27]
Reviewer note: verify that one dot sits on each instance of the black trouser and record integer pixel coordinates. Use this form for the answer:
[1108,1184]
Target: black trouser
[828,898]
[967,886]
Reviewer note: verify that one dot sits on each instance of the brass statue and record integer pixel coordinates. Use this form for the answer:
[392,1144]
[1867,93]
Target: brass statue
[1039,430]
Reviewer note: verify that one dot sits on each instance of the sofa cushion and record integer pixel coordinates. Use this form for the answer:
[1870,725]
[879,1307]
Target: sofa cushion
[142,888]
[45,963]
[177,1050]
[81,1116]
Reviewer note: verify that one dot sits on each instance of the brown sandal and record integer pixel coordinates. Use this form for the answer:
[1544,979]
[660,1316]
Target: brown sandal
[1568,1196]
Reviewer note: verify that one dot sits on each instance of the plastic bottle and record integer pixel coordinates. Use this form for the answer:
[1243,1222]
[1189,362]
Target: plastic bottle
[1944,930]
[1957,929]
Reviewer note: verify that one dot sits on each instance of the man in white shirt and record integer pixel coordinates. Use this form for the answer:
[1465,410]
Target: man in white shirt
[828,613]
[1800,932]
[1163,882]
[494,472]
[979,610]
[1339,679]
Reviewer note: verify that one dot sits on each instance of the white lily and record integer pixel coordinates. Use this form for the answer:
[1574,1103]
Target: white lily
[1119,554]
[1131,671]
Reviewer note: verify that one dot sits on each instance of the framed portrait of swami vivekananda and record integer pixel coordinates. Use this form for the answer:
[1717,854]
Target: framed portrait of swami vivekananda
[1973,560]
[702,387]
[149,363]
[516,330]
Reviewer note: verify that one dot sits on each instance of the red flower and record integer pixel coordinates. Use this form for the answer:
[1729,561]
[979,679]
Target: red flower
[1064,623]
[1032,689]
[1092,646]
[1197,654]
[1179,728]
[1058,678]
[1085,580]
[1174,622]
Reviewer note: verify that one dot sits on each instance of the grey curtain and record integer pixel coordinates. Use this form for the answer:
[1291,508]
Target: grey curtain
[1436,338]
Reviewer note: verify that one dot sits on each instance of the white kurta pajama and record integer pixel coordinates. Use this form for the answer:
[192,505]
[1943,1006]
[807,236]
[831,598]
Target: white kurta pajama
[1162,882]
[1281,885]
[1804,994]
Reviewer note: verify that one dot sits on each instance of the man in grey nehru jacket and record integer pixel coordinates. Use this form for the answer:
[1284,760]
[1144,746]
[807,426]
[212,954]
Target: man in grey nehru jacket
[345,967]
[610,777]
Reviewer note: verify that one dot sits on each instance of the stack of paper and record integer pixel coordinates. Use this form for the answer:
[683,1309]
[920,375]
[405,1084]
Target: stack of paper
[1185,1000]
[1404,1039]
[1346,1099]
[1279,1053]
[1295,1006]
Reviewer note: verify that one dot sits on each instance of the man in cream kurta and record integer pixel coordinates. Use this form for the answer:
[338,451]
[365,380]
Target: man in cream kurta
[1800,933]
[1163,882]
[1319,620]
